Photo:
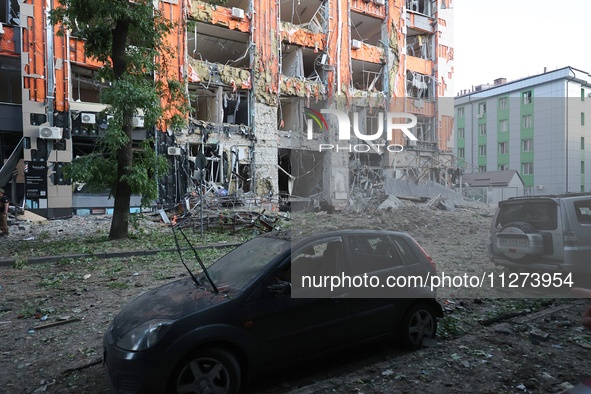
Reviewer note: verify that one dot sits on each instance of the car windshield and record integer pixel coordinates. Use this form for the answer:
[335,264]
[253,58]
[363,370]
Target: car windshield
[238,268]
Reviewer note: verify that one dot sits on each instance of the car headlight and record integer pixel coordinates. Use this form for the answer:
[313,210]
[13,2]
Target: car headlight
[144,336]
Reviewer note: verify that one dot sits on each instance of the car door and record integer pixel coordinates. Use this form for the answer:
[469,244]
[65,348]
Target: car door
[297,324]
[376,311]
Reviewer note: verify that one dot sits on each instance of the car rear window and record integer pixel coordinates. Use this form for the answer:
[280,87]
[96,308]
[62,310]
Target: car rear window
[583,210]
[543,215]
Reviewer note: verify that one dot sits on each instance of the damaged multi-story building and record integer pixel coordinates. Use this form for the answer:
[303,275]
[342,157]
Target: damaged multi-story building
[257,75]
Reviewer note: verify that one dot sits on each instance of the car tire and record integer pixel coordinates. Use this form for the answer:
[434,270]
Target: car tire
[525,228]
[419,323]
[208,370]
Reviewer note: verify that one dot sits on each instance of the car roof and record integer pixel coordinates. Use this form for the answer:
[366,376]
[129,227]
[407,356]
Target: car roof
[299,234]
[551,196]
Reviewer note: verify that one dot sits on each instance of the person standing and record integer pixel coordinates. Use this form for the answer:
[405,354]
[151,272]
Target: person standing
[4,203]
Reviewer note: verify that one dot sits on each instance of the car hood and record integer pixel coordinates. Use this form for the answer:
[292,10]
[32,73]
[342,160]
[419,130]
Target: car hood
[169,302]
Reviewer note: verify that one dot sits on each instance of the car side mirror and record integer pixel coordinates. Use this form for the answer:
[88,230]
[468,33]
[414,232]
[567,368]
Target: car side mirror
[280,288]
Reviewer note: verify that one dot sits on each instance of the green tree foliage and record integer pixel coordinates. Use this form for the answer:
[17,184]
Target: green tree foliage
[128,37]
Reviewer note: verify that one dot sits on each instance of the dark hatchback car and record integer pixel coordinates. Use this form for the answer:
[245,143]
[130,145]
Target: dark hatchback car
[253,313]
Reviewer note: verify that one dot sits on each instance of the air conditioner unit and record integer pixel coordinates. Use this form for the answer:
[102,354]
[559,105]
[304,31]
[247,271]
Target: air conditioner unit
[50,133]
[380,2]
[355,44]
[172,151]
[88,118]
[237,13]
[137,121]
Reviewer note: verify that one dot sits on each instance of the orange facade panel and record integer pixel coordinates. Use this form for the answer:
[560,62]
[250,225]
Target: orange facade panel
[293,34]
[172,63]
[77,54]
[419,65]
[419,107]
[368,7]
[34,48]
[220,16]
[446,126]
[368,53]
[7,44]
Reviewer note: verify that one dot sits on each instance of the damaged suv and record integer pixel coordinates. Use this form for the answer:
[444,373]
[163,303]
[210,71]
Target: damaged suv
[546,233]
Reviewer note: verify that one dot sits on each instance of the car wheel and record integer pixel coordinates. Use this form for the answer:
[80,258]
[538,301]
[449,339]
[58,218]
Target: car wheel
[210,370]
[419,323]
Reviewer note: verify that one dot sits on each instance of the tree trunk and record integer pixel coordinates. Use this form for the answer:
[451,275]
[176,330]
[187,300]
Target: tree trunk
[120,221]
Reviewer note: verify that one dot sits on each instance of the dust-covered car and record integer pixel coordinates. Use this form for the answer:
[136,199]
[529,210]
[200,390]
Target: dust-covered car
[547,233]
[270,302]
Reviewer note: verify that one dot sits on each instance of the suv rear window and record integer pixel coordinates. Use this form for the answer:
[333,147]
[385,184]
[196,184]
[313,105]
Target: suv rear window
[583,210]
[540,214]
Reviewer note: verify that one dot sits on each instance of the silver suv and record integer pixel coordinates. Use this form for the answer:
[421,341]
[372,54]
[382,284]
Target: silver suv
[547,233]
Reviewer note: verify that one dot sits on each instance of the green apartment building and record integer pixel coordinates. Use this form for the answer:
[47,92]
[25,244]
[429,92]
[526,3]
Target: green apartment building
[535,126]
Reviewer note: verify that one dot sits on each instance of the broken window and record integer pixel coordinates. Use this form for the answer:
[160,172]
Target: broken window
[365,28]
[419,86]
[9,12]
[526,97]
[425,132]
[218,45]
[214,159]
[220,105]
[419,45]
[481,109]
[305,13]
[301,62]
[306,166]
[367,76]
[420,6]
[85,86]
[289,114]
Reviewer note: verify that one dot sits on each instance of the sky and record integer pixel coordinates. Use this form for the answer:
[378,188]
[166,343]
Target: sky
[515,39]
